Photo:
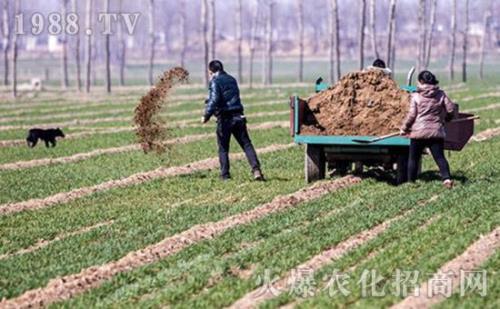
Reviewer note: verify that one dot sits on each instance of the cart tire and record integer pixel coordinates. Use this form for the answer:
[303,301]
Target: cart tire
[402,169]
[315,163]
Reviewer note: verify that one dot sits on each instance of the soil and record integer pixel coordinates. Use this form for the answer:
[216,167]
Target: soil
[150,126]
[68,286]
[361,103]
[475,256]
[135,179]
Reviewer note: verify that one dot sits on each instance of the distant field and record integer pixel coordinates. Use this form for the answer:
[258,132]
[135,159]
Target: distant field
[285,69]
[163,231]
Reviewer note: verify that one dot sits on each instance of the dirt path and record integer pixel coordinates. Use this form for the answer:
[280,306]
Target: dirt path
[173,124]
[486,134]
[473,257]
[44,243]
[483,108]
[482,96]
[115,150]
[89,132]
[74,116]
[256,297]
[162,172]
[68,286]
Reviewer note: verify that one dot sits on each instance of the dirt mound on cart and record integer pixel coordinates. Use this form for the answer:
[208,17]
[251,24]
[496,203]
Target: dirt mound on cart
[151,130]
[361,103]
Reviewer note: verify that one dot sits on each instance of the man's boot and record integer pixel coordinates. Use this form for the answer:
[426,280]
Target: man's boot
[258,176]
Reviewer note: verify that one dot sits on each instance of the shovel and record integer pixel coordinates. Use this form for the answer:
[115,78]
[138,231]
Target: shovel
[381,138]
[378,139]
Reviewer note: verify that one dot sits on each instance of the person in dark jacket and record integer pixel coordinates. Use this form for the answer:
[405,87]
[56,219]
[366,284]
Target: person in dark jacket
[224,103]
[430,108]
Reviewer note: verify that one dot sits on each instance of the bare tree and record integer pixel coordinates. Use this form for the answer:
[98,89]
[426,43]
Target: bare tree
[88,54]
[152,41]
[6,41]
[184,32]
[422,35]
[123,48]
[334,42]
[453,40]
[74,8]
[486,22]
[373,28]
[430,33]
[391,35]
[239,38]
[253,39]
[300,11]
[465,44]
[15,50]
[107,48]
[362,25]
[213,32]
[204,31]
[64,54]
[268,76]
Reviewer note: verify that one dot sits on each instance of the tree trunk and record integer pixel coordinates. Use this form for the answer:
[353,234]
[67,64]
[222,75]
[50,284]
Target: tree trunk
[465,43]
[300,11]
[373,28]
[392,33]
[486,22]
[88,54]
[430,33]
[74,9]
[453,40]
[268,80]
[6,41]
[152,41]
[15,50]
[107,39]
[184,31]
[123,48]
[334,42]
[204,32]
[64,54]
[239,38]
[362,25]
[213,32]
[422,35]
[253,34]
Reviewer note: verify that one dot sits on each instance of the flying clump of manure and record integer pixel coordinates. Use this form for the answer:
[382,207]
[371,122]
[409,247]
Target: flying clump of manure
[151,130]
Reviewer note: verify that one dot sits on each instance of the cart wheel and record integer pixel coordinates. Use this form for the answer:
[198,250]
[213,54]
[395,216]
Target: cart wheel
[315,164]
[358,168]
[342,168]
[402,169]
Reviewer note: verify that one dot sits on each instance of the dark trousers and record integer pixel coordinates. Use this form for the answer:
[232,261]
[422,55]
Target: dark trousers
[234,125]
[436,146]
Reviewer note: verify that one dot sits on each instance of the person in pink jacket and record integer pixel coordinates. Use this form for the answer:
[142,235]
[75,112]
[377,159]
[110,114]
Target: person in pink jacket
[430,108]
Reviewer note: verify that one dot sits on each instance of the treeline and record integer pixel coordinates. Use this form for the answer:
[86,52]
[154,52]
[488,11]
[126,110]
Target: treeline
[195,28]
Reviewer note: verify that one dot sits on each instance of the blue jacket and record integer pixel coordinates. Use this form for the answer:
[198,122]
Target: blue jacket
[223,97]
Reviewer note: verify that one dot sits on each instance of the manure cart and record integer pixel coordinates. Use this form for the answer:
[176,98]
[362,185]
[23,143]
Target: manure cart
[342,154]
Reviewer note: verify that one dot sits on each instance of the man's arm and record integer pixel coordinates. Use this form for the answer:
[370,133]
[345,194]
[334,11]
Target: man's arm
[212,101]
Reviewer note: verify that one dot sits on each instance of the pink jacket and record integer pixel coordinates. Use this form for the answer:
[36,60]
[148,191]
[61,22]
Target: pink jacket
[430,107]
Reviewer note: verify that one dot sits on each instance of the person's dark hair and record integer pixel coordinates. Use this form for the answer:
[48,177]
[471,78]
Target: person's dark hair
[379,63]
[426,77]
[215,66]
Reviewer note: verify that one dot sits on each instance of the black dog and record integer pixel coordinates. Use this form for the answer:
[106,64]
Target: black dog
[48,136]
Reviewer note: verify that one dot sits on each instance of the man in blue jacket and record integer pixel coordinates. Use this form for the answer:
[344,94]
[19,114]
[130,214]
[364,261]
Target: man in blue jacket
[224,103]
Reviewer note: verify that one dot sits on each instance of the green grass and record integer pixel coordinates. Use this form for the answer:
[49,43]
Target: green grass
[203,275]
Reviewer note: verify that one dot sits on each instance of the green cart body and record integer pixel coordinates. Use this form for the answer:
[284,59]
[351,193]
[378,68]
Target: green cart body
[341,153]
